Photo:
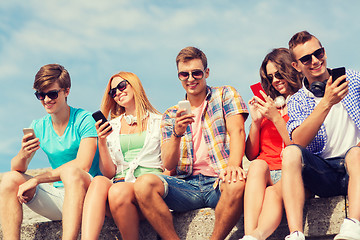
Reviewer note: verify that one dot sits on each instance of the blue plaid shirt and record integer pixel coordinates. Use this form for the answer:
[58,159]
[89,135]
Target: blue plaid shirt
[302,103]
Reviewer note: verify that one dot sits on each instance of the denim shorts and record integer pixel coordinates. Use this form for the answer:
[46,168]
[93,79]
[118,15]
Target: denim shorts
[191,193]
[275,175]
[324,177]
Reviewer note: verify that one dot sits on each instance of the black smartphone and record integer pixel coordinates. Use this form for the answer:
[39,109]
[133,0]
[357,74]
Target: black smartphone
[336,73]
[98,115]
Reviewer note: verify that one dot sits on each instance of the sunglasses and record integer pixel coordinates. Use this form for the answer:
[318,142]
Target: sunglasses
[307,59]
[51,94]
[276,75]
[121,86]
[196,74]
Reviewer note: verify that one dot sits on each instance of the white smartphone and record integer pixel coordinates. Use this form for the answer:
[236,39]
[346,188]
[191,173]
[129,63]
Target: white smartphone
[27,131]
[185,104]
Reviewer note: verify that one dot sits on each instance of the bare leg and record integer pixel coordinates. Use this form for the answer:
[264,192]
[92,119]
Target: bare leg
[11,211]
[148,191]
[294,197]
[353,167]
[76,182]
[95,208]
[271,212]
[258,177]
[123,207]
[229,208]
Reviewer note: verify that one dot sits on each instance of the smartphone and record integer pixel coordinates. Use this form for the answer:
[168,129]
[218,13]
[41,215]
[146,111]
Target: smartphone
[185,104]
[27,131]
[98,115]
[255,88]
[336,73]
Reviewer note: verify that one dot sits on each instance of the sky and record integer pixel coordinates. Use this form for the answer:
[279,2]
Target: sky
[95,39]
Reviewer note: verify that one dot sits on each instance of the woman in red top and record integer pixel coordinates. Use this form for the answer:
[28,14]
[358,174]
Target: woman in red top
[266,140]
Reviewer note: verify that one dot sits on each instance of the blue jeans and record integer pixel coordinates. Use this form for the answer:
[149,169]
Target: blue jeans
[275,175]
[191,193]
[324,177]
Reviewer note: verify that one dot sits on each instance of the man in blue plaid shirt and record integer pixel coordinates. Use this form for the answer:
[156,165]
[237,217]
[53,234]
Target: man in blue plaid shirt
[324,125]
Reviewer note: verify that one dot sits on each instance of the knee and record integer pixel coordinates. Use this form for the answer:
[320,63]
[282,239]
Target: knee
[234,190]
[74,176]
[273,193]
[146,185]
[258,168]
[99,182]
[352,158]
[291,157]
[11,181]
[121,194]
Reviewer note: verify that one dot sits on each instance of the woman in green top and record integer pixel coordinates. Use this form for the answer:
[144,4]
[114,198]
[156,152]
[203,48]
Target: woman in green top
[129,146]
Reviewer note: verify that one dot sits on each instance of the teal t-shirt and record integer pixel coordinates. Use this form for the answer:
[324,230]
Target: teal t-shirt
[62,149]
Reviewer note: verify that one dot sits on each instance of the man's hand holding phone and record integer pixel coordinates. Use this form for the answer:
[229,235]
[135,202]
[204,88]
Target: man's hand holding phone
[336,87]
[184,117]
[29,144]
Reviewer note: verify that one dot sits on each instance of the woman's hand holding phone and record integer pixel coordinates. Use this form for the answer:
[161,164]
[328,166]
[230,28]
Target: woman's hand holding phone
[102,125]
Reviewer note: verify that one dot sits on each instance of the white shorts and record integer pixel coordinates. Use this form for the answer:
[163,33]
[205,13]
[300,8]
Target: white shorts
[48,201]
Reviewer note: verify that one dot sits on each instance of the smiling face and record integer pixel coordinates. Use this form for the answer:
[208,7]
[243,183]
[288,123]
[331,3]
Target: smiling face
[53,106]
[124,98]
[280,84]
[316,70]
[193,87]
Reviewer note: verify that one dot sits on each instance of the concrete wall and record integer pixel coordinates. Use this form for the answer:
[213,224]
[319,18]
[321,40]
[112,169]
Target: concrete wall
[322,220]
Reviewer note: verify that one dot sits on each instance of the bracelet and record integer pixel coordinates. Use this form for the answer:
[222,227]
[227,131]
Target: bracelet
[176,135]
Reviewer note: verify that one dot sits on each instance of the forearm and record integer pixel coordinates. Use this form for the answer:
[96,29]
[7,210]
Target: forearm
[170,152]
[237,148]
[305,133]
[106,165]
[280,125]
[253,142]
[19,163]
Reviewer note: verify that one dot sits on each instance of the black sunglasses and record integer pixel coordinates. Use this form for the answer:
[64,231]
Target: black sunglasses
[307,59]
[196,74]
[51,94]
[276,75]
[121,86]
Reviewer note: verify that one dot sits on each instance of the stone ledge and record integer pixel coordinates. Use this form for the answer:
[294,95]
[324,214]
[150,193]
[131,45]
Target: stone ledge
[323,218]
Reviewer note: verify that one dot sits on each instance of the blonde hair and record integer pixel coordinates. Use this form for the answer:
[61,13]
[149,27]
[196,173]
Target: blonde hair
[142,103]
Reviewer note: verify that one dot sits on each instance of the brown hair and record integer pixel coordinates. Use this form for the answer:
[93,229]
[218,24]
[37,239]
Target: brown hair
[300,38]
[142,103]
[190,53]
[50,74]
[281,58]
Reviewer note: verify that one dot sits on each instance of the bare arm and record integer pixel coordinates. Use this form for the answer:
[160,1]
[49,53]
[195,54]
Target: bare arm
[83,160]
[21,161]
[252,148]
[306,132]
[170,150]
[107,166]
[235,128]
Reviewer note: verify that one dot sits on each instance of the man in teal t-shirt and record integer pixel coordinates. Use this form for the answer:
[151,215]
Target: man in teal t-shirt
[68,137]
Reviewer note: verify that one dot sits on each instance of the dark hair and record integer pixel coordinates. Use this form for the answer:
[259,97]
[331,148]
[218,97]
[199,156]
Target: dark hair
[300,38]
[50,74]
[281,58]
[190,53]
